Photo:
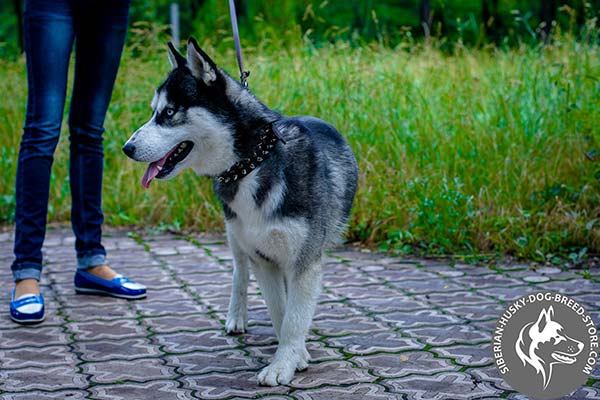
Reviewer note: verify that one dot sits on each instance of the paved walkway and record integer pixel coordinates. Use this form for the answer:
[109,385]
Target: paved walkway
[384,328]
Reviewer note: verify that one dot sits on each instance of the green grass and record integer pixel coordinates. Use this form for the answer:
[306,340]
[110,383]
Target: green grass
[482,152]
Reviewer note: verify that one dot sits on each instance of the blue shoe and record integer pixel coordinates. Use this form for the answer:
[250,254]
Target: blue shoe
[27,309]
[86,283]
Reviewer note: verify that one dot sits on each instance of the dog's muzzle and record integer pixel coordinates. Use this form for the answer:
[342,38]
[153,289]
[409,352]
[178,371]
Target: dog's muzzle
[129,149]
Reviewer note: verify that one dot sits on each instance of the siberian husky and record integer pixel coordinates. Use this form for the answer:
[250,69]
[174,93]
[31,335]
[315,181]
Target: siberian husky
[286,185]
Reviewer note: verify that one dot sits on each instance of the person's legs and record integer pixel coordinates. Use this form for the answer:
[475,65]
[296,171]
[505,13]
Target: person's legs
[100,30]
[48,41]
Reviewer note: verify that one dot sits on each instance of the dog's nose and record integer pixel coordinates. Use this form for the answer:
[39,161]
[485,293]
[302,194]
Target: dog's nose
[129,149]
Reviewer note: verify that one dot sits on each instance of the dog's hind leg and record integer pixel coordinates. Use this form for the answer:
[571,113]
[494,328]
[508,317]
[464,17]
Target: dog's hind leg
[304,286]
[237,316]
[272,285]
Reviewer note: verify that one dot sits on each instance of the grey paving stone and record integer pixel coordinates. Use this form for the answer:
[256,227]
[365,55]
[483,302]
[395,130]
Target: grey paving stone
[592,301]
[109,312]
[317,350]
[221,303]
[208,290]
[596,372]
[364,292]
[403,364]
[445,385]
[219,361]
[257,316]
[178,307]
[330,373]
[440,336]
[375,316]
[38,395]
[485,326]
[534,278]
[476,355]
[349,279]
[352,325]
[35,336]
[90,303]
[116,329]
[46,378]
[48,356]
[474,312]
[395,273]
[473,269]
[193,264]
[267,397]
[585,393]
[450,273]
[486,281]
[176,323]
[414,319]
[452,299]
[219,385]
[490,374]
[428,286]
[121,349]
[561,275]
[261,335]
[202,277]
[184,342]
[574,286]
[153,390]
[374,342]
[507,293]
[140,370]
[382,305]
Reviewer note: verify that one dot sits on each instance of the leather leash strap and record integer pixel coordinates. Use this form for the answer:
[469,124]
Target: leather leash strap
[238,47]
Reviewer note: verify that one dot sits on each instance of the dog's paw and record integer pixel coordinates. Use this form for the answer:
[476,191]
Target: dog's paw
[279,372]
[303,361]
[236,324]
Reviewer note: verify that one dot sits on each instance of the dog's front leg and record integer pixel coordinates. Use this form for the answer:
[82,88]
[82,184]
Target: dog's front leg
[237,316]
[304,285]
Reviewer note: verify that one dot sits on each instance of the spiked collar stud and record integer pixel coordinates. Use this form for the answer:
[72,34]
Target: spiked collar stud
[269,137]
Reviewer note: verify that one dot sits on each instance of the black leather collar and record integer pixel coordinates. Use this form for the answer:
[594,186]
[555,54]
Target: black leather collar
[268,139]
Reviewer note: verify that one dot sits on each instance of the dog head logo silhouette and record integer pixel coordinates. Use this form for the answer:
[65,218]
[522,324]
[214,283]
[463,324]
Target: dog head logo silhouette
[544,343]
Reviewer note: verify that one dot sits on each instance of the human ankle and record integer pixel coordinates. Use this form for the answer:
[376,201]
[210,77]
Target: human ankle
[26,286]
[102,271]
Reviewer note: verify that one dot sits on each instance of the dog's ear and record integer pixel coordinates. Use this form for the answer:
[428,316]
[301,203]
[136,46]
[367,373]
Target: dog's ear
[176,59]
[544,318]
[200,64]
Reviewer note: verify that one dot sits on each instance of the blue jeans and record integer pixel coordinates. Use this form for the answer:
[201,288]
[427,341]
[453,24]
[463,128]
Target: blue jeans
[98,28]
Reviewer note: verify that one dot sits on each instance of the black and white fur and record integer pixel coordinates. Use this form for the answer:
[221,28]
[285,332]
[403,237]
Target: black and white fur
[281,216]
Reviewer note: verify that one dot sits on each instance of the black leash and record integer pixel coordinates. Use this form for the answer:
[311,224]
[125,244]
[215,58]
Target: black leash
[270,133]
[238,47]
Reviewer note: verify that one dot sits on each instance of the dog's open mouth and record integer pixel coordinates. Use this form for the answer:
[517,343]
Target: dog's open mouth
[164,166]
[563,358]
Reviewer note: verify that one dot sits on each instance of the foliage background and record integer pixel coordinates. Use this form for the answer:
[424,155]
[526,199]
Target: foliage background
[481,139]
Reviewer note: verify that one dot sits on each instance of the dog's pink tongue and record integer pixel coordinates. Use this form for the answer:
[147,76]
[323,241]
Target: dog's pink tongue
[153,170]
[150,174]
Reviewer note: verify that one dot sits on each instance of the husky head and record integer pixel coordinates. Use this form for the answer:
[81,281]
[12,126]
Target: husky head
[544,343]
[197,115]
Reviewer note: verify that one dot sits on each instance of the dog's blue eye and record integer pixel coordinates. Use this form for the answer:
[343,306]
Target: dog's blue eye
[170,112]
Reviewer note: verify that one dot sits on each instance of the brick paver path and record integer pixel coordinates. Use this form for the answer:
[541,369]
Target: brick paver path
[384,328]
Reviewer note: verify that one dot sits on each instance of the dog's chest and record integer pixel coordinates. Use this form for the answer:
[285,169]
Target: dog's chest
[256,228]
